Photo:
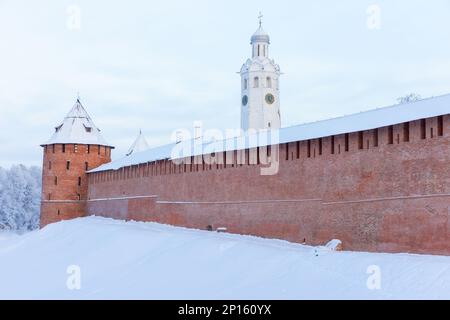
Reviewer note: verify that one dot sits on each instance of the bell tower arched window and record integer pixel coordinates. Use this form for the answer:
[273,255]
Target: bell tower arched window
[269,82]
[256,82]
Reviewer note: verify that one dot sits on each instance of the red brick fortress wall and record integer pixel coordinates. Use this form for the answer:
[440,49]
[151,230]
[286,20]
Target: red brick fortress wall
[64,179]
[384,190]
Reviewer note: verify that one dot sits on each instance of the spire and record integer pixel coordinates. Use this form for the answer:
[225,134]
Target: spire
[260,35]
[139,145]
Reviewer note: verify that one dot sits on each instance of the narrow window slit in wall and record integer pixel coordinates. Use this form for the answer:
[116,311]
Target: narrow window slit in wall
[440,122]
[332,144]
[287,151]
[347,142]
[390,135]
[320,146]
[406,132]
[68,165]
[298,150]
[375,137]
[423,129]
[309,148]
[360,140]
[257,156]
[431,133]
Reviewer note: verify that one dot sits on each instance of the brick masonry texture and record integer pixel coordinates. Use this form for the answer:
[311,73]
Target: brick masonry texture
[390,192]
[65,186]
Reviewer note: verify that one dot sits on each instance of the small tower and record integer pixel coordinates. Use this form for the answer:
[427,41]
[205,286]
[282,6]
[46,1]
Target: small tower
[139,145]
[75,147]
[260,92]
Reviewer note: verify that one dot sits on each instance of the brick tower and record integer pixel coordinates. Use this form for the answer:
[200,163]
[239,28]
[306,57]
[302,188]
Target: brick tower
[75,148]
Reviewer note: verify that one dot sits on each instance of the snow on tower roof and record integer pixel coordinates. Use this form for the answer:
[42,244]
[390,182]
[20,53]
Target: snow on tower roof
[77,127]
[139,145]
[367,120]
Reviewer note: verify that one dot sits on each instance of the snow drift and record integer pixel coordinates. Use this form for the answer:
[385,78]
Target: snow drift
[136,260]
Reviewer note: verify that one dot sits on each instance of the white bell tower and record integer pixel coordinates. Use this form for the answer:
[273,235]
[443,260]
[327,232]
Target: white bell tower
[260,92]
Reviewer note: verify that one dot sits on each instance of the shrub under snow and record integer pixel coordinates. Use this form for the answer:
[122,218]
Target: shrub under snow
[20,192]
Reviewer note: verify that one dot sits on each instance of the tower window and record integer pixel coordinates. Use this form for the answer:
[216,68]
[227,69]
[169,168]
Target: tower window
[88,148]
[347,142]
[86,166]
[79,181]
[269,82]
[56,181]
[98,149]
[63,148]
[245,84]
[320,146]
[49,165]
[68,165]
[79,196]
[256,82]
[53,148]
[259,50]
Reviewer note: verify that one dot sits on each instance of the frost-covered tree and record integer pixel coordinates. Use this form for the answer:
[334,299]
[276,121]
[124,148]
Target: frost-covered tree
[20,192]
[412,97]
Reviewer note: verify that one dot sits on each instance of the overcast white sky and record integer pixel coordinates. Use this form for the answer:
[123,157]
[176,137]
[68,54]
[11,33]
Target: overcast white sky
[160,65]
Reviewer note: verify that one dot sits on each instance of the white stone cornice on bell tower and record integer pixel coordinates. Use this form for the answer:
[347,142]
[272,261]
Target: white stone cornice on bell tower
[260,104]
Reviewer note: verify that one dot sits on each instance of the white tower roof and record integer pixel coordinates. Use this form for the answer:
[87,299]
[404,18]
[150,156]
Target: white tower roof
[139,145]
[77,128]
[260,36]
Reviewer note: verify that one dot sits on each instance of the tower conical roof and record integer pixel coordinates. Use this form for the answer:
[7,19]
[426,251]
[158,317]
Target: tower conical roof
[140,144]
[77,128]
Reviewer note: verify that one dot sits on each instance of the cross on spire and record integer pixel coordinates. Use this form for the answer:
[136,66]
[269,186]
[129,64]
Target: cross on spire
[260,19]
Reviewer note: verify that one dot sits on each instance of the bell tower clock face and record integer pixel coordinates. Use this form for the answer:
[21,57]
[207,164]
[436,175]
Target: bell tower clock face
[244,100]
[270,99]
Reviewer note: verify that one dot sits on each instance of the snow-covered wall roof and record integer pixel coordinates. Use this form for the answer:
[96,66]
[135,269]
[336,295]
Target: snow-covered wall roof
[372,119]
[77,128]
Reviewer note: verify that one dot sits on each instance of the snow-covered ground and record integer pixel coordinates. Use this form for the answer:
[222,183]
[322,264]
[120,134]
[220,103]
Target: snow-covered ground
[118,260]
